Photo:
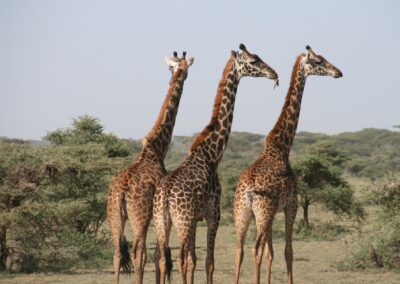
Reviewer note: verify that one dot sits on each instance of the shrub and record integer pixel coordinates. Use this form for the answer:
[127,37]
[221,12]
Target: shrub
[379,245]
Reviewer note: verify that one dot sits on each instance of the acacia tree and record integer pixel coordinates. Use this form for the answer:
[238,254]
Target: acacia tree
[20,175]
[319,172]
[54,196]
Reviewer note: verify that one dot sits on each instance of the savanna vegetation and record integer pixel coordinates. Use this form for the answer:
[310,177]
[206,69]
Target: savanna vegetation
[53,194]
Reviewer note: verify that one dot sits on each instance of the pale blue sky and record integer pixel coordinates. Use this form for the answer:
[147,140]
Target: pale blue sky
[62,59]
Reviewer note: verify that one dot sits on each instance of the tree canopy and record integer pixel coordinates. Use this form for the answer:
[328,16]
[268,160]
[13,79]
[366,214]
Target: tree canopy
[53,198]
[319,172]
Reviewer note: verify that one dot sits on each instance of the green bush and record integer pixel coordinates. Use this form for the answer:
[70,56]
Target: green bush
[53,198]
[379,245]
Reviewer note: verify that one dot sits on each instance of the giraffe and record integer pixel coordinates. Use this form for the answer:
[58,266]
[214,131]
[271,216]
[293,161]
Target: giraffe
[268,185]
[192,191]
[131,190]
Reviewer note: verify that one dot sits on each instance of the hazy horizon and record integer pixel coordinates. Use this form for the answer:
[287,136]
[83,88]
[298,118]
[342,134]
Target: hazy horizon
[63,59]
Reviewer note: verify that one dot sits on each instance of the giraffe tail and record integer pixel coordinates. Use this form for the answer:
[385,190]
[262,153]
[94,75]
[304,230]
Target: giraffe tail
[126,262]
[168,258]
[167,250]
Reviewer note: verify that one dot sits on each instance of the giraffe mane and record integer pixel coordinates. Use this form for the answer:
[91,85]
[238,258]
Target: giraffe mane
[161,116]
[217,104]
[275,131]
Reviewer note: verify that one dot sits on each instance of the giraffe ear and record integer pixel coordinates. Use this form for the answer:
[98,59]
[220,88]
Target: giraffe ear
[190,61]
[234,54]
[170,61]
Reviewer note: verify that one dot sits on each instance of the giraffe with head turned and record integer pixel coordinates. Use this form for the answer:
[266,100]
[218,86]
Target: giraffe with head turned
[268,185]
[192,191]
[131,190]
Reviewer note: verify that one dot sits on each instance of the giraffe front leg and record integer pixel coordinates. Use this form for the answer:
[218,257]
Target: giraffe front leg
[290,216]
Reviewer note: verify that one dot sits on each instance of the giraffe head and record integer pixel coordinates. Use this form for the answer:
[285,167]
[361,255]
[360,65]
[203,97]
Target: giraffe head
[317,65]
[251,65]
[175,63]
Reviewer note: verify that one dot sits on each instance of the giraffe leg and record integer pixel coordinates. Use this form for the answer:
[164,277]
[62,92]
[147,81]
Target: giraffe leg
[162,225]
[269,255]
[117,225]
[116,221]
[290,216]
[162,262]
[184,234]
[192,255]
[212,228]
[263,223]
[157,262]
[139,254]
[242,219]
[258,253]
[182,258]
[139,219]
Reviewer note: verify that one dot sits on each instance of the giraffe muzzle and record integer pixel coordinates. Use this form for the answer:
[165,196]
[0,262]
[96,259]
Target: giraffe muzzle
[338,74]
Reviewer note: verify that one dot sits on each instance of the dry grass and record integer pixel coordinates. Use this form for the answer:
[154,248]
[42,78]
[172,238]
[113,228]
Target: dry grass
[313,264]
[314,261]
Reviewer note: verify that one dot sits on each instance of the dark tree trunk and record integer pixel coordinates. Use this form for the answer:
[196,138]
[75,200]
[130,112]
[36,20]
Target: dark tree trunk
[3,249]
[305,214]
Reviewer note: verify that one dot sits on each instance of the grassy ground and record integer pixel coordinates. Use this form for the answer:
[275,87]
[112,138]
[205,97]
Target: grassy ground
[313,264]
[314,259]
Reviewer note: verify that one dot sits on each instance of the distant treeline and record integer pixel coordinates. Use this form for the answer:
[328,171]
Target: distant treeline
[371,152]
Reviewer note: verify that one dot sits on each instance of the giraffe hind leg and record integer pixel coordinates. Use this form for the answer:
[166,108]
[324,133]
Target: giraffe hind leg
[116,222]
[212,228]
[163,261]
[290,216]
[139,256]
[162,254]
[269,254]
[184,236]
[242,218]
[264,228]
[192,255]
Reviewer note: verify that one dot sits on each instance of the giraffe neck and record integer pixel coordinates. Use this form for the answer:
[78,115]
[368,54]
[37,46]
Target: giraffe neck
[213,139]
[284,131]
[160,135]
